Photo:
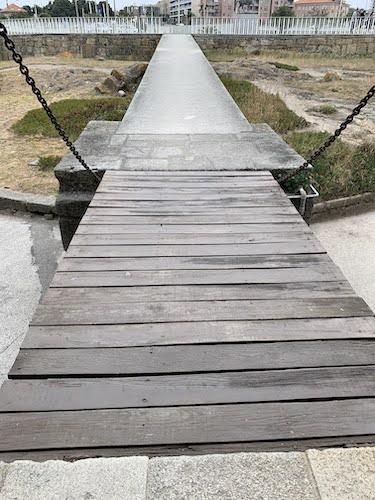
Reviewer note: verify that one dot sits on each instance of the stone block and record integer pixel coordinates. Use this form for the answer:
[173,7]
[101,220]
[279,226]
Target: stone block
[344,474]
[91,479]
[255,476]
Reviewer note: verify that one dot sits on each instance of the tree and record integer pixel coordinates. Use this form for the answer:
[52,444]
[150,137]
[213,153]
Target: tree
[19,15]
[284,11]
[28,9]
[61,8]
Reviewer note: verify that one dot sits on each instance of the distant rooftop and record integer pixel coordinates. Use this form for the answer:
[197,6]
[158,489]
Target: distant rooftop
[12,9]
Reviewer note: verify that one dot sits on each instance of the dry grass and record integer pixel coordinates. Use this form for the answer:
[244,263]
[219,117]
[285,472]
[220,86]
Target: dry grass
[305,60]
[16,99]
[65,61]
[352,89]
[260,107]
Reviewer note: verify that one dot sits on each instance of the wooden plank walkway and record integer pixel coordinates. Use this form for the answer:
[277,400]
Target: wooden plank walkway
[193,312]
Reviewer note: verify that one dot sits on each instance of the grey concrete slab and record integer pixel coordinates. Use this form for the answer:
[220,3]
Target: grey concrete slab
[245,476]
[344,474]
[91,479]
[181,94]
[29,249]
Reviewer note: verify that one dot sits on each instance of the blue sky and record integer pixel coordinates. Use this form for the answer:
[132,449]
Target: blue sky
[363,4]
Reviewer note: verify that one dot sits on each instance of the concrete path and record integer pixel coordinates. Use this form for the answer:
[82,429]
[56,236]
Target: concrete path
[350,241]
[29,249]
[181,94]
[337,474]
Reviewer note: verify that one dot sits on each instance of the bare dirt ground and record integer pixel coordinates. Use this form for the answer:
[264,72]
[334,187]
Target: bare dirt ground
[305,91]
[58,78]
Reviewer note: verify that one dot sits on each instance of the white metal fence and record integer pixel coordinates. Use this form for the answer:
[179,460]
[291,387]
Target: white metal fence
[219,26]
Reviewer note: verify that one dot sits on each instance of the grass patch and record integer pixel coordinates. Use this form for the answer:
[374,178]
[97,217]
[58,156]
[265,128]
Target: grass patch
[260,107]
[342,170]
[224,55]
[73,115]
[327,109]
[48,163]
[288,67]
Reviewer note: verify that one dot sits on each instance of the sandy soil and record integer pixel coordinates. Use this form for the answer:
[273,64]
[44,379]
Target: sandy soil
[57,80]
[305,91]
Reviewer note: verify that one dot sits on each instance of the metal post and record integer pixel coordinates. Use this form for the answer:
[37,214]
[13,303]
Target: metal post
[178,13]
[76,4]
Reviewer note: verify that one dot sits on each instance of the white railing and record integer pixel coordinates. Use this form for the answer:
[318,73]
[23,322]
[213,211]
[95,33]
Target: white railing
[219,26]
[283,26]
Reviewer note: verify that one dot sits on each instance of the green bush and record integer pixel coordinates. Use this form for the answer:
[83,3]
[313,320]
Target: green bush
[73,115]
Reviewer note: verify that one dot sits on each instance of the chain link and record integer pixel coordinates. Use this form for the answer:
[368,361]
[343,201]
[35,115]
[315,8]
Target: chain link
[333,137]
[17,58]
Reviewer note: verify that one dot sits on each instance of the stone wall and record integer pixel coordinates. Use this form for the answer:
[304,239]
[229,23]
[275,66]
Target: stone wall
[128,47]
[142,47]
[337,45]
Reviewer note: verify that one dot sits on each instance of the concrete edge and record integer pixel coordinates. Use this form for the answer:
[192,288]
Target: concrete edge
[332,207]
[27,202]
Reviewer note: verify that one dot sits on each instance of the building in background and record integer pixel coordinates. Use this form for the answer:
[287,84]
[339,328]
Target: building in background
[320,8]
[203,8]
[12,9]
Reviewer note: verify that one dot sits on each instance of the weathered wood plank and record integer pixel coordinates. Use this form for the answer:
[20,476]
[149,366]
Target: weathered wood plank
[179,197]
[170,263]
[153,334]
[325,272]
[164,312]
[111,235]
[192,358]
[193,389]
[199,190]
[187,183]
[183,205]
[202,424]
[272,291]
[266,222]
[112,174]
[190,449]
[178,212]
[278,248]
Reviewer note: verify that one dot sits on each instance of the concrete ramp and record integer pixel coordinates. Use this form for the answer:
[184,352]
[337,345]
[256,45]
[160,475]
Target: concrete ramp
[181,94]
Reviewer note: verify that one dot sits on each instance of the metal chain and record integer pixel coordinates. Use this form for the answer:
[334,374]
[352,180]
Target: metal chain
[9,44]
[333,137]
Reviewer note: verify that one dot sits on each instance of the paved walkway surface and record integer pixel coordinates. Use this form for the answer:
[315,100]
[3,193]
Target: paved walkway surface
[29,249]
[332,474]
[350,241]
